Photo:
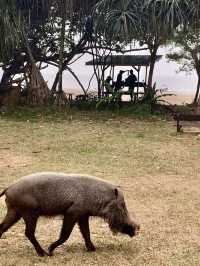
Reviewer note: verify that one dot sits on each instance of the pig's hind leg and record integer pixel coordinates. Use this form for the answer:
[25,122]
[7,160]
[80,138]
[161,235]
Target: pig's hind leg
[10,219]
[30,219]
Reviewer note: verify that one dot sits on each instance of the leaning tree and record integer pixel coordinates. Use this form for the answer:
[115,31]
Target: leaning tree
[50,32]
[18,56]
[187,53]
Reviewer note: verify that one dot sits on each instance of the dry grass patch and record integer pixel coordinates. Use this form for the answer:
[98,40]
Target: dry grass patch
[157,169]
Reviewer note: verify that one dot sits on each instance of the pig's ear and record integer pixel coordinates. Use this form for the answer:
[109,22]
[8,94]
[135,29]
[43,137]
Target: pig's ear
[116,193]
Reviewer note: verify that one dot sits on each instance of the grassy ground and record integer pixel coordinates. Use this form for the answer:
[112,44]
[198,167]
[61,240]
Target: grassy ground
[157,169]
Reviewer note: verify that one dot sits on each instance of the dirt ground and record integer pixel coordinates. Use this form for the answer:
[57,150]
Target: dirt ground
[157,169]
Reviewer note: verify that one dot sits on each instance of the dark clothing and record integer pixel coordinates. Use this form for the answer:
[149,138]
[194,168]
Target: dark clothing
[119,83]
[131,80]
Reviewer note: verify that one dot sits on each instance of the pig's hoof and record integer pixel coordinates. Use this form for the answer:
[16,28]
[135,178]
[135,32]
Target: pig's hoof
[50,254]
[50,251]
[91,248]
[42,254]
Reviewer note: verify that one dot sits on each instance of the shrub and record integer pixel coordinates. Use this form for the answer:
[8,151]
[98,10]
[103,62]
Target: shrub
[154,97]
[109,102]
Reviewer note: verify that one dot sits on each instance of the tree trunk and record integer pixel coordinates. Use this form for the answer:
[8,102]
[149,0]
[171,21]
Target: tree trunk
[79,47]
[152,65]
[198,97]
[197,92]
[55,83]
[62,44]
[77,79]
[99,89]
[60,96]
[39,91]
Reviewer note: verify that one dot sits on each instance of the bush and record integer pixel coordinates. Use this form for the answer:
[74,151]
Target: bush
[84,105]
[85,102]
[109,103]
[154,97]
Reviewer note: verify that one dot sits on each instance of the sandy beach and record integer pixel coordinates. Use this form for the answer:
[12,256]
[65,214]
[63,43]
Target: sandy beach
[178,98]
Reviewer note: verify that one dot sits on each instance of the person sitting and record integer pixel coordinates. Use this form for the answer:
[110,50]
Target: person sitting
[131,82]
[119,83]
[108,86]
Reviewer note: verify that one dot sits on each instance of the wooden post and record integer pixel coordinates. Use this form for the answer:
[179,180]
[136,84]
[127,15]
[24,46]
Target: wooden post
[113,73]
[146,74]
[138,81]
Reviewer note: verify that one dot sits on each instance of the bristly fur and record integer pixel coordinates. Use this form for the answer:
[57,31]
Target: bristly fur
[117,216]
[76,197]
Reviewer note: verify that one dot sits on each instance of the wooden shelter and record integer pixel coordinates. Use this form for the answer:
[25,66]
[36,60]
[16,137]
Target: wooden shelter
[135,61]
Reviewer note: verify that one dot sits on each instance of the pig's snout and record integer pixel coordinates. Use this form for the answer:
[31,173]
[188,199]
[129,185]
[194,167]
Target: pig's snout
[131,229]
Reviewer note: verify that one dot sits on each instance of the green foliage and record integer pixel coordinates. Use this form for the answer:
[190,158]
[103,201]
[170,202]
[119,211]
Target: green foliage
[35,114]
[113,103]
[109,102]
[119,19]
[87,105]
[86,102]
[41,21]
[151,22]
[154,97]
[187,49]
[56,114]
[9,34]
[186,52]
[139,110]
[144,20]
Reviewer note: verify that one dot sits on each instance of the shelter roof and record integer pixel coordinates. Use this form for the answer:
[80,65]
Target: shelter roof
[123,60]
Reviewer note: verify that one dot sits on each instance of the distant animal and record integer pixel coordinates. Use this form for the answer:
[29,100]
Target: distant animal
[76,197]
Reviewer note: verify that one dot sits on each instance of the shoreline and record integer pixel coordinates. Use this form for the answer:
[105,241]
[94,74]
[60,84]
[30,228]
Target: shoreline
[179,98]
